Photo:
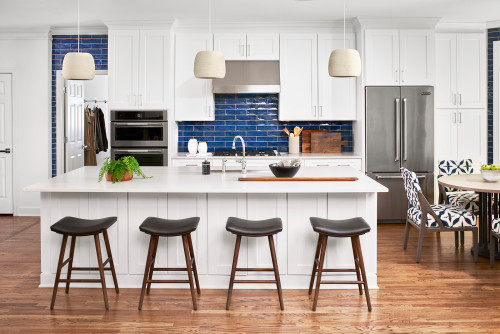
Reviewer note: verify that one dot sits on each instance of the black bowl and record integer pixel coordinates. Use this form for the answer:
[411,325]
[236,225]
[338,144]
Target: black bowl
[278,171]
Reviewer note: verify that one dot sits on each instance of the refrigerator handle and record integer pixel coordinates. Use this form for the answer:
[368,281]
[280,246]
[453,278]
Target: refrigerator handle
[405,132]
[398,130]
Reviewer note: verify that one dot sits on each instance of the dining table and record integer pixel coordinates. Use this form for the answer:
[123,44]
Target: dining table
[488,204]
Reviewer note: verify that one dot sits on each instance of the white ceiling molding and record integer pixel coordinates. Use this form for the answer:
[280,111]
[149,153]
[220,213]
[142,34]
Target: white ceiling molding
[90,30]
[127,24]
[492,24]
[29,33]
[397,22]
[446,25]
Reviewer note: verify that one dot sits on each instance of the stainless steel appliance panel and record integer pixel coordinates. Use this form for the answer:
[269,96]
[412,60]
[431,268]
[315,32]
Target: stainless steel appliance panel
[392,206]
[139,134]
[138,115]
[417,144]
[145,157]
[383,129]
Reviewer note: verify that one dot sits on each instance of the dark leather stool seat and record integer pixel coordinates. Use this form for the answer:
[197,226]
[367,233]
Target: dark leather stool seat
[76,227]
[254,228]
[169,227]
[82,227]
[340,228]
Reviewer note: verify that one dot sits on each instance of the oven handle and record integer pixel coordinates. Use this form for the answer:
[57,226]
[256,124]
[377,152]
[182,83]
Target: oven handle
[138,151]
[139,124]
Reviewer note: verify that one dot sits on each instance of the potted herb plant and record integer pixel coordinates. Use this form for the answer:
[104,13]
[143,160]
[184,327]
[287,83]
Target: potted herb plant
[119,170]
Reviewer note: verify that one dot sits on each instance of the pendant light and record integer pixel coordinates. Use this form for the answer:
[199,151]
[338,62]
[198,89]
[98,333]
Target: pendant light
[78,65]
[344,63]
[209,64]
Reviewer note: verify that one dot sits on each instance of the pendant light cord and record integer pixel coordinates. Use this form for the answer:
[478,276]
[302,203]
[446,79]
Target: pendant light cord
[78,29]
[344,23]
[209,21]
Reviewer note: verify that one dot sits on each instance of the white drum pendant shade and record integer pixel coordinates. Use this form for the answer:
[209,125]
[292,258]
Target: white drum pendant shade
[344,63]
[78,66]
[209,65]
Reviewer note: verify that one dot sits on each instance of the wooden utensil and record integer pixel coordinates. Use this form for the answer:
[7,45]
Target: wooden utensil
[298,179]
[306,140]
[327,142]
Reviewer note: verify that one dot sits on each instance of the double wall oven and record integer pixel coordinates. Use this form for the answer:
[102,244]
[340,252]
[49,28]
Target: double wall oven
[142,134]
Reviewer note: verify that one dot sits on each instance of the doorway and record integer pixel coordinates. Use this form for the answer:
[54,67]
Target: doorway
[6,171]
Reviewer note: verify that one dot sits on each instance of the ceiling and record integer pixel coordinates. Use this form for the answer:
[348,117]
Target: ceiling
[62,13]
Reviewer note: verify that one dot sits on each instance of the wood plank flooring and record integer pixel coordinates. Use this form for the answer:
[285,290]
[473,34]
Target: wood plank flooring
[446,292]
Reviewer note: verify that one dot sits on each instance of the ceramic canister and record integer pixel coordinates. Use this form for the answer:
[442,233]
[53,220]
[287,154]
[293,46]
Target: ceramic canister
[202,147]
[192,146]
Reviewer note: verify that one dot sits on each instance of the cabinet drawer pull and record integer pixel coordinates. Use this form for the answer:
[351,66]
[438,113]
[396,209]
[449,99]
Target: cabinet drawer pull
[191,165]
[324,165]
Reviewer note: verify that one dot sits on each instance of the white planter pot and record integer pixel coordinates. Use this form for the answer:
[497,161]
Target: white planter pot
[192,146]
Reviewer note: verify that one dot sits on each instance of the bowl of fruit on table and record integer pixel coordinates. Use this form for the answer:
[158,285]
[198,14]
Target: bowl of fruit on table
[490,173]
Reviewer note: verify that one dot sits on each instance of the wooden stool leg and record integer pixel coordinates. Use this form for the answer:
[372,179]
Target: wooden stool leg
[189,271]
[195,271]
[146,270]
[456,239]
[58,273]
[101,270]
[324,240]
[111,262]
[70,263]
[276,271]
[362,267]
[233,270]
[152,266]
[316,257]
[356,264]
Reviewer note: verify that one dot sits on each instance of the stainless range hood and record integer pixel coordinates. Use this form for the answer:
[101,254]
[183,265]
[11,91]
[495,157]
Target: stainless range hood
[249,77]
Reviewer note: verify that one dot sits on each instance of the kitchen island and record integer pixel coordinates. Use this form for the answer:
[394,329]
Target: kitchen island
[176,193]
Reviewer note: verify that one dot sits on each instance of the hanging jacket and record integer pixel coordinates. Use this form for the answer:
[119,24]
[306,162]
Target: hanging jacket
[90,158]
[102,124]
[99,141]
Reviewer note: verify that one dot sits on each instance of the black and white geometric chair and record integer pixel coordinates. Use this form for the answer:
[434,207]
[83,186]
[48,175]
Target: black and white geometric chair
[494,235]
[434,218]
[468,200]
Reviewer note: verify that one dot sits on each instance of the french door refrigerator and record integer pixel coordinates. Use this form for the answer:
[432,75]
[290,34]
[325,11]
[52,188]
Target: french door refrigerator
[399,133]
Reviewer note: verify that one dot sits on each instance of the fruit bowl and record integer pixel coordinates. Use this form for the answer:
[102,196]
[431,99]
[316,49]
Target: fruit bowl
[490,175]
[284,171]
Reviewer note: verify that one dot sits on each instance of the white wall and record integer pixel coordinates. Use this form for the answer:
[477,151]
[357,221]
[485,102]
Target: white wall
[26,55]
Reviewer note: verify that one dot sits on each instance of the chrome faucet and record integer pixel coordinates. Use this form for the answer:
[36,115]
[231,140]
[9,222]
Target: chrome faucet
[243,160]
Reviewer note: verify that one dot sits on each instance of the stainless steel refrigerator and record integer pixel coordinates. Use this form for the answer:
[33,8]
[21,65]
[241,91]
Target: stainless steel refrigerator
[399,133]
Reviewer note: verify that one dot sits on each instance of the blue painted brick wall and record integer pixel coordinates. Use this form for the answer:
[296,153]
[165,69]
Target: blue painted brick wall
[493,35]
[97,45]
[255,118]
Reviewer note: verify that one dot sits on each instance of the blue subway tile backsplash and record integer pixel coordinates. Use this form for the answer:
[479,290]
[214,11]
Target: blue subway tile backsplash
[255,118]
[97,45]
[493,35]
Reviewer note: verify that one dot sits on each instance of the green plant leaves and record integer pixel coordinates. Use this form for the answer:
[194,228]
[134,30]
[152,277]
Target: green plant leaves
[117,169]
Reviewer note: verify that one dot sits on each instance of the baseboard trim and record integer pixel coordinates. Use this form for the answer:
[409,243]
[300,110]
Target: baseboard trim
[27,211]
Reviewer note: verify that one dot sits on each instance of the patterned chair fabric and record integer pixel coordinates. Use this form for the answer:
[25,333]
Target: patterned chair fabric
[495,225]
[464,199]
[451,216]
[412,187]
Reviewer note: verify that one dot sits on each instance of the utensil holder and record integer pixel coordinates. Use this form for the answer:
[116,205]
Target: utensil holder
[293,145]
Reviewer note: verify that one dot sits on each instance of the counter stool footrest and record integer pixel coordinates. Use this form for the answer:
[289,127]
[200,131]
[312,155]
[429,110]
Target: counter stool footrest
[254,281]
[254,269]
[169,269]
[87,268]
[341,282]
[337,270]
[77,280]
[167,281]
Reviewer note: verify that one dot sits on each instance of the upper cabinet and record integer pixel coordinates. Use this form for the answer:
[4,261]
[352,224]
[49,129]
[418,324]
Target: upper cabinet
[138,68]
[399,57]
[193,97]
[241,46]
[308,93]
[461,75]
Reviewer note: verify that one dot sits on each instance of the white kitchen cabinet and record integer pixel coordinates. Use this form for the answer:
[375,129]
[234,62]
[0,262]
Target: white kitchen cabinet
[354,163]
[461,134]
[241,46]
[307,91]
[188,162]
[138,69]
[194,99]
[461,74]
[399,57]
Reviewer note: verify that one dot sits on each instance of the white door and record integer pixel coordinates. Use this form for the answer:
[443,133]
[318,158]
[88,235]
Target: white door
[6,203]
[446,134]
[382,57]
[194,99]
[299,77]
[74,125]
[123,68]
[336,96]
[471,135]
[446,71]
[471,70]
[153,69]
[263,47]
[233,46]
[416,54]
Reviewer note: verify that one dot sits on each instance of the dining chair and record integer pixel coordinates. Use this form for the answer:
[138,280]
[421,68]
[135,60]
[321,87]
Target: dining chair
[434,218]
[468,200]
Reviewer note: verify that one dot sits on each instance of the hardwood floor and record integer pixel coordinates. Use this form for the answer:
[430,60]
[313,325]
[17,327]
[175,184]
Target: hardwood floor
[446,292]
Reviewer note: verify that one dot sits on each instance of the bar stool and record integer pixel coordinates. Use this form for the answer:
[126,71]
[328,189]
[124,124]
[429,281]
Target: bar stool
[76,227]
[352,228]
[158,227]
[254,228]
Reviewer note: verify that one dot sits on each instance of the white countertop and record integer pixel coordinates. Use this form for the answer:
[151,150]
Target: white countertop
[344,155]
[190,180]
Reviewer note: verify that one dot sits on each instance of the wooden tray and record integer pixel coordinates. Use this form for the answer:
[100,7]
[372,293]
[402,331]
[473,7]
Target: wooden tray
[306,139]
[327,142]
[298,179]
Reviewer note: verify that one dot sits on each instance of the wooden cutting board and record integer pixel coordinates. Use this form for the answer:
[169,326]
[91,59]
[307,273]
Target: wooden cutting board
[330,142]
[298,179]
[306,139]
